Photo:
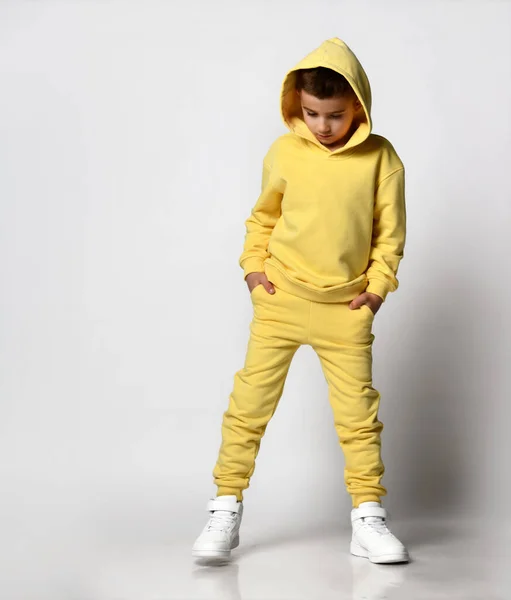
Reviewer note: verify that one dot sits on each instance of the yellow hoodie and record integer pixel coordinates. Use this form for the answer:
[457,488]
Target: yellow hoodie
[328,225]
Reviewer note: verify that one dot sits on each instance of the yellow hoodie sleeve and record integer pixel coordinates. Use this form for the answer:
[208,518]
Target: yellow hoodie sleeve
[260,224]
[389,234]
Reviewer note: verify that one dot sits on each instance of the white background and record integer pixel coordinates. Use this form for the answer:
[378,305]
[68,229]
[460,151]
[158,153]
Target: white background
[131,143]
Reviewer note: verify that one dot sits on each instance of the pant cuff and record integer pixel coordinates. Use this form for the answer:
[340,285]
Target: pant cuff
[357,500]
[225,491]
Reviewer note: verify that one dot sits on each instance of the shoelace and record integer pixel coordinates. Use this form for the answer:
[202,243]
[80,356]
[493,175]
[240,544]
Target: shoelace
[377,524]
[221,520]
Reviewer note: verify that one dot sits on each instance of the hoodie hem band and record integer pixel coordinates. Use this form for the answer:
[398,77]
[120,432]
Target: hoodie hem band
[344,293]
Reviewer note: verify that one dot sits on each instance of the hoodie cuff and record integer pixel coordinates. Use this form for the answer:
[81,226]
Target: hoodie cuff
[253,265]
[378,287]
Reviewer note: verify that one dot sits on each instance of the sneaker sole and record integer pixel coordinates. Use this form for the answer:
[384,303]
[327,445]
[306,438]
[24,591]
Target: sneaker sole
[383,559]
[216,554]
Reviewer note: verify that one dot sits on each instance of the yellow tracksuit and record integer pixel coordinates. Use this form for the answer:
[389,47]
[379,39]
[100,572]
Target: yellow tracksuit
[328,225]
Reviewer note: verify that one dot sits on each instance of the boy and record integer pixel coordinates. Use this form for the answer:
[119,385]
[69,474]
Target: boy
[322,248]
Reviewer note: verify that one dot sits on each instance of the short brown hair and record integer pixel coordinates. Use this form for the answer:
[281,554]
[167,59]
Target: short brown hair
[323,83]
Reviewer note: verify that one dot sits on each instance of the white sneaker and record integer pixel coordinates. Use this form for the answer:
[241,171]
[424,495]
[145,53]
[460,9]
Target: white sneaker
[221,534]
[371,536]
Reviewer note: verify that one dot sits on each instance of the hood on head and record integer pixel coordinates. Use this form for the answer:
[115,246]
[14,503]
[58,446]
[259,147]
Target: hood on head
[336,55]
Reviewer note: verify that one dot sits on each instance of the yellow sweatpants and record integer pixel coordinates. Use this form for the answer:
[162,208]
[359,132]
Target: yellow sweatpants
[343,340]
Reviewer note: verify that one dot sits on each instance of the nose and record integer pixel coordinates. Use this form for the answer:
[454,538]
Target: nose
[323,127]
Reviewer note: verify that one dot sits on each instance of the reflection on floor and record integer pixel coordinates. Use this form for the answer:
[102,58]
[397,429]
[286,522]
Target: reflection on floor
[450,560]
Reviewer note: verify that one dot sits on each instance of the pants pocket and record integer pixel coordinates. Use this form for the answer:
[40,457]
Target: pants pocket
[366,308]
[255,290]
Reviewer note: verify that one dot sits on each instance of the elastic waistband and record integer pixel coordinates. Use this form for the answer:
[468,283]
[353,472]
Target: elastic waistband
[342,293]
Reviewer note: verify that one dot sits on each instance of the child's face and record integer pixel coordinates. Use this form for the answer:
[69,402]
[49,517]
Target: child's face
[330,120]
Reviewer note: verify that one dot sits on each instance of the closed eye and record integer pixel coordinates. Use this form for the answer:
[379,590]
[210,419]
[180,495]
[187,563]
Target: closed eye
[313,114]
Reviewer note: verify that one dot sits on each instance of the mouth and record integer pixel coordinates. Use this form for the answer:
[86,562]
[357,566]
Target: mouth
[324,137]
